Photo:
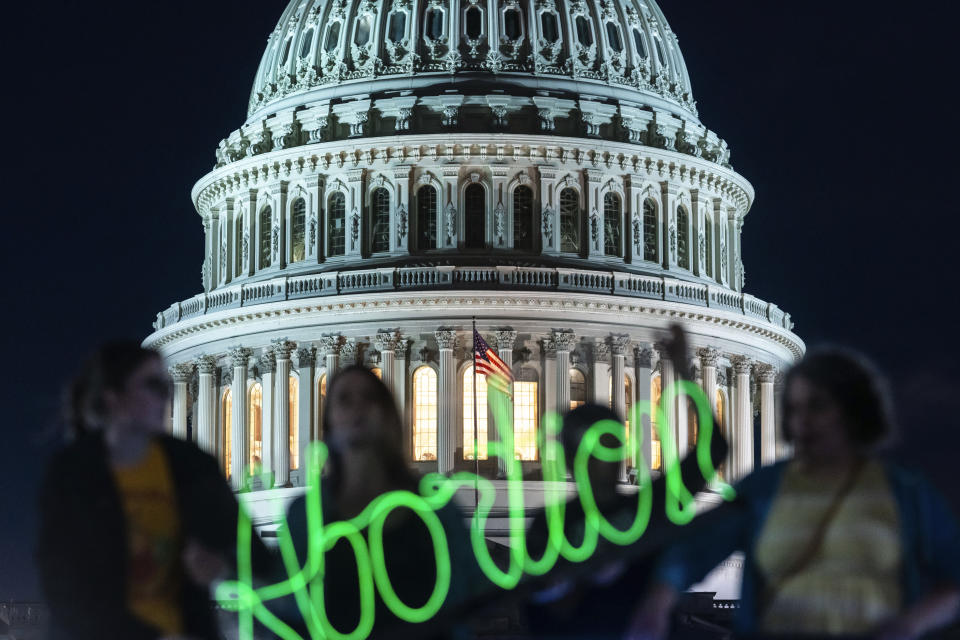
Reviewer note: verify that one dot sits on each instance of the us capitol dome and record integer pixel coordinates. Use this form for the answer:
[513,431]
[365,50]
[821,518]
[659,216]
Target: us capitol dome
[409,165]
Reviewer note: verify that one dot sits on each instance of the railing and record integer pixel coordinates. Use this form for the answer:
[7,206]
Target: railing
[496,278]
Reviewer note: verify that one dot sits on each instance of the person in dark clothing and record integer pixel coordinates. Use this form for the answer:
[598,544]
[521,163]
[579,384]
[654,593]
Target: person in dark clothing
[362,429]
[134,524]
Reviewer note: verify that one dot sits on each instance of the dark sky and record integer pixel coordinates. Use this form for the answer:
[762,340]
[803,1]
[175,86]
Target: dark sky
[838,113]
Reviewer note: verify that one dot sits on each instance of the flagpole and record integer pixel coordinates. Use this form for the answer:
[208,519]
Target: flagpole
[476,436]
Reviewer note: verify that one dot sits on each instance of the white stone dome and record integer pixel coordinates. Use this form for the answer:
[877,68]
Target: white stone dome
[615,50]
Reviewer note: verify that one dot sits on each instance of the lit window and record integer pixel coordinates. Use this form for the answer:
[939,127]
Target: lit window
[294,408]
[424,414]
[377,371]
[523,222]
[337,209]
[693,423]
[468,414]
[474,216]
[650,244]
[266,215]
[612,215]
[569,220]
[655,463]
[380,217]
[578,389]
[226,410]
[683,235]
[427,218]
[298,229]
[525,410]
[255,405]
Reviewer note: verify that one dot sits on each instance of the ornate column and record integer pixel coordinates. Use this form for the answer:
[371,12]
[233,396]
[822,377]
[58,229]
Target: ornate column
[619,343]
[564,340]
[447,342]
[601,373]
[348,354]
[400,391]
[550,213]
[743,417]
[667,378]
[708,365]
[206,408]
[643,363]
[668,203]
[506,338]
[306,362]
[766,374]
[282,348]
[239,441]
[267,364]
[400,228]
[329,348]
[181,374]
[386,340]
[549,351]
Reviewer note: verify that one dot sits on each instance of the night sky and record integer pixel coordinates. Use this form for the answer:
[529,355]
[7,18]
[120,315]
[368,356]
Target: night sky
[838,113]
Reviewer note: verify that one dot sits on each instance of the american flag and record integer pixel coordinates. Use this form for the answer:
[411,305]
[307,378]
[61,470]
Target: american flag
[488,363]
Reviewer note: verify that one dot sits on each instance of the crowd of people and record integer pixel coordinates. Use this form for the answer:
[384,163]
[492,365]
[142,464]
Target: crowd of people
[137,527]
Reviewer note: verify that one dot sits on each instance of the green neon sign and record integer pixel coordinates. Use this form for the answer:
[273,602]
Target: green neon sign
[306,585]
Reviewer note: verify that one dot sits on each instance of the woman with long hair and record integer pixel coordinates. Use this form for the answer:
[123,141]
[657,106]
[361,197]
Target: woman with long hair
[135,524]
[837,540]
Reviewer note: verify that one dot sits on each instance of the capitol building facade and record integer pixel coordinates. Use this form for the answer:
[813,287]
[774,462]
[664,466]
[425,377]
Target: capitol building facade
[407,166]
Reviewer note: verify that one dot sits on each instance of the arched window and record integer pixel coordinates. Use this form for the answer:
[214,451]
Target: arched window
[226,411]
[286,52]
[266,217]
[380,220]
[578,388]
[306,43]
[298,230]
[638,40]
[255,420]
[397,26]
[570,220]
[294,417]
[333,38]
[655,462]
[337,234]
[424,414]
[584,34]
[426,218]
[708,233]
[650,245]
[474,218]
[612,215]
[468,414]
[362,33]
[474,26]
[526,406]
[613,37]
[659,48]
[548,24]
[435,24]
[523,222]
[683,235]
[512,23]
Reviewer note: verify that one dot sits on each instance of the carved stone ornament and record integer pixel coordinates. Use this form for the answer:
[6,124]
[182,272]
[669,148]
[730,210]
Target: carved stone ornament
[312,233]
[601,352]
[282,348]
[741,364]
[499,222]
[267,363]
[638,234]
[306,357]
[401,223]
[548,227]
[330,345]
[355,229]
[446,338]
[673,240]
[348,353]
[206,364]
[619,344]
[401,347]
[450,215]
[564,339]
[386,340]
[548,347]
[766,373]
[506,338]
[643,357]
[708,356]
[182,371]
[240,356]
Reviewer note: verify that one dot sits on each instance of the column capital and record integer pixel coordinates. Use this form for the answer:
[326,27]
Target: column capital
[282,348]
[506,338]
[182,371]
[708,356]
[206,364]
[240,356]
[766,373]
[400,347]
[348,353]
[601,351]
[306,356]
[386,339]
[564,339]
[643,357]
[330,344]
[446,338]
[267,362]
[619,343]
[548,346]
[741,364]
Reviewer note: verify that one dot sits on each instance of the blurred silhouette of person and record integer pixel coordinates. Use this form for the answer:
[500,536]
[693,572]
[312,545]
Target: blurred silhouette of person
[134,524]
[364,434]
[595,600]
[837,541]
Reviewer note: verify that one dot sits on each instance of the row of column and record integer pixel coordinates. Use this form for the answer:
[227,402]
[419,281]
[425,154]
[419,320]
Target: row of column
[276,362]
